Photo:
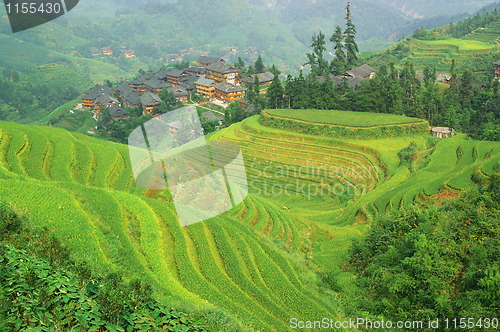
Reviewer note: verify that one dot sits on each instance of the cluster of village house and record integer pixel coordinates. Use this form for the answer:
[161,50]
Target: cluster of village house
[211,77]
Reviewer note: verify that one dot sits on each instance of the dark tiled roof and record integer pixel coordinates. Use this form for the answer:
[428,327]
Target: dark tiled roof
[133,97]
[117,112]
[221,68]
[155,83]
[363,71]
[121,87]
[208,59]
[263,77]
[98,90]
[195,70]
[140,80]
[178,91]
[351,81]
[203,81]
[161,74]
[174,72]
[211,116]
[496,63]
[149,99]
[228,87]
[105,99]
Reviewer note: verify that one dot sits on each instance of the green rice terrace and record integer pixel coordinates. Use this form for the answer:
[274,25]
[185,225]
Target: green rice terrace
[309,195]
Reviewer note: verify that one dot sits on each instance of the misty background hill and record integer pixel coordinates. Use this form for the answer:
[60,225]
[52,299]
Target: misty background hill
[163,32]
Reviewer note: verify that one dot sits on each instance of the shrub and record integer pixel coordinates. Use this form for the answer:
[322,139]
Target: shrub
[10,221]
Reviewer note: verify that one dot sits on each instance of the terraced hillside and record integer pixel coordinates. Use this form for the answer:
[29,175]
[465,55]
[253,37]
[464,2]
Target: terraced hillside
[83,190]
[309,195]
[338,186]
[440,53]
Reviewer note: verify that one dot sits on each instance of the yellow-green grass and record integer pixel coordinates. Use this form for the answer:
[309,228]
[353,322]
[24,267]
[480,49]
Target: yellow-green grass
[343,118]
[462,44]
[82,189]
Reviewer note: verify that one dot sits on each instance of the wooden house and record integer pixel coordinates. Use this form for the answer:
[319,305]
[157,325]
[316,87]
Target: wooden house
[91,95]
[154,85]
[180,93]
[104,100]
[150,102]
[227,92]
[205,86]
[197,71]
[107,51]
[174,75]
[139,83]
[497,69]
[129,53]
[264,78]
[94,52]
[131,99]
[206,61]
[117,113]
[364,71]
[222,73]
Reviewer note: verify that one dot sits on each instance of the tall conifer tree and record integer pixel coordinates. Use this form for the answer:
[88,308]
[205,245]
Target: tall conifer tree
[351,47]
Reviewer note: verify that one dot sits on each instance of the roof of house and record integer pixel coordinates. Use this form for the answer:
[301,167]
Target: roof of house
[228,87]
[149,99]
[139,80]
[161,74]
[178,91]
[211,116]
[221,68]
[128,51]
[363,71]
[203,81]
[107,48]
[442,76]
[496,63]
[188,86]
[104,99]
[117,112]
[121,87]
[155,83]
[263,77]
[132,97]
[444,130]
[208,59]
[195,70]
[97,91]
[174,72]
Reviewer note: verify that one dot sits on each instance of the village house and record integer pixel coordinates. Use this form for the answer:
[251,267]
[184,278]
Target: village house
[227,92]
[188,83]
[131,99]
[154,85]
[442,132]
[107,51]
[222,73]
[117,113]
[139,83]
[195,71]
[180,93]
[150,102]
[94,52]
[497,69]
[210,116]
[205,86]
[129,53]
[120,89]
[92,94]
[364,71]
[161,75]
[173,76]
[104,100]
[264,78]
[206,61]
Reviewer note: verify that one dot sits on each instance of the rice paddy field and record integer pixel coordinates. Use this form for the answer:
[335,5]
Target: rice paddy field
[309,196]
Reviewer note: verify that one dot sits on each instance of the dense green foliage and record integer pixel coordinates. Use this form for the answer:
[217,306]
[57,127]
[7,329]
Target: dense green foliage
[433,262]
[45,290]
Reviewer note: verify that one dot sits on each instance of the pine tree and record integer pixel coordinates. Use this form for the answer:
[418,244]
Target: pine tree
[337,66]
[275,94]
[319,65]
[351,47]
[259,65]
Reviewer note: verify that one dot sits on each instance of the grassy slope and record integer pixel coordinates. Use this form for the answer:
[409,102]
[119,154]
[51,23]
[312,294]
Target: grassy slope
[344,118]
[83,190]
[439,53]
[333,220]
